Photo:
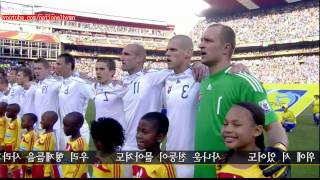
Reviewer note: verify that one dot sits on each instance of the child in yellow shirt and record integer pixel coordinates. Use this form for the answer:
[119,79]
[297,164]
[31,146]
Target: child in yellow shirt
[108,136]
[72,123]
[27,140]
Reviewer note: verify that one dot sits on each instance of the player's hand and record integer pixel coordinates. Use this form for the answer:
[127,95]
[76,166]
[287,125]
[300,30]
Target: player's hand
[238,68]
[277,169]
[199,71]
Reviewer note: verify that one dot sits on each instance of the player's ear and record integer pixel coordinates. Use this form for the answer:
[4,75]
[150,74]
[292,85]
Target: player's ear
[160,137]
[258,130]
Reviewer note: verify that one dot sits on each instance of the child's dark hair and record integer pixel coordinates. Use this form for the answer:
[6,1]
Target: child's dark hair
[15,106]
[32,116]
[76,115]
[258,116]
[109,132]
[3,105]
[160,121]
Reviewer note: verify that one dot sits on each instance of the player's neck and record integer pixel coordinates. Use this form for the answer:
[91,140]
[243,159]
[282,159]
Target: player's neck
[2,115]
[219,66]
[106,82]
[67,75]
[154,150]
[26,85]
[14,118]
[181,69]
[48,131]
[135,70]
[30,129]
[75,136]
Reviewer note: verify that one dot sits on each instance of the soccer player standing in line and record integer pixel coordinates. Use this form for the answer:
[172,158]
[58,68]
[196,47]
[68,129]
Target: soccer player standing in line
[181,93]
[143,89]
[220,91]
[74,93]
[108,96]
[46,95]
[26,102]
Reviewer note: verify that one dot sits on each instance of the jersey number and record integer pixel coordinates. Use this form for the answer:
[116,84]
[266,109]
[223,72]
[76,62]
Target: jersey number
[184,94]
[136,87]
[105,94]
[218,105]
[66,91]
[44,89]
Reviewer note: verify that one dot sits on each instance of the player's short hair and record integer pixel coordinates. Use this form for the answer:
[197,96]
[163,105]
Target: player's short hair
[110,63]
[76,116]
[32,116]
[160,121]
[68,59]
[4,80]
[26,72]
[109,132]
[139,50]
[186,41]
[257,114]
[53,115]
[44,62]
[227,35]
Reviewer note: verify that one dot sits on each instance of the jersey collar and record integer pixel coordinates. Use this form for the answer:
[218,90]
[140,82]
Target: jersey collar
[221,72]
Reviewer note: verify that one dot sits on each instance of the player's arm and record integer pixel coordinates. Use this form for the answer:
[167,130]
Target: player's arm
[276,134]
[87,91]
[252,91]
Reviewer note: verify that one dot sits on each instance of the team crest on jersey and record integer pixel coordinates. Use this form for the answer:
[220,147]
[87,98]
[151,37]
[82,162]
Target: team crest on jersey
[178,81]
[209,87]
[265,106]
[169,89]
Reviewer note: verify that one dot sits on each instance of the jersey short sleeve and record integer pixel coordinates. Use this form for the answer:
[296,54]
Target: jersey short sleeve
[252,91]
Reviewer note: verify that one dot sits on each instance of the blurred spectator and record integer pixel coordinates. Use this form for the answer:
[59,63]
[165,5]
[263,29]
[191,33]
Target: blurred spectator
[290,23]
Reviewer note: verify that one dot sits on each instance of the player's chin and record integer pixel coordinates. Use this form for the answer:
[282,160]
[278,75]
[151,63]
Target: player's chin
[141,146]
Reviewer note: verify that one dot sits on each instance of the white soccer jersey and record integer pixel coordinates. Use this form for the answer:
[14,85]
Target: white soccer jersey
[3,97]
[27,100]
[181,93]
[181,101]
[14,94]
[143,96]
[46,98]
[74,95]
[108,102]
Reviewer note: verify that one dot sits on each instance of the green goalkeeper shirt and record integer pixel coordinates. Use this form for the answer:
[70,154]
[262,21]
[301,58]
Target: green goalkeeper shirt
[218,93]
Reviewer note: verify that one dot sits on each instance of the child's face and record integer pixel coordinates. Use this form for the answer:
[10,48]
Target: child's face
[11,112]
[46,122]
[69,127]
[239,130]
[147,136]
[26,122]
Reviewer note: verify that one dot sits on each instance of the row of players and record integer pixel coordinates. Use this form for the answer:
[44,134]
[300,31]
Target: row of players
[176,89]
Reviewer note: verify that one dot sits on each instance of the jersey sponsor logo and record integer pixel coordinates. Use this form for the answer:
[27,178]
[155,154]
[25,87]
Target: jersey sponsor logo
[209,87]
[265,106]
